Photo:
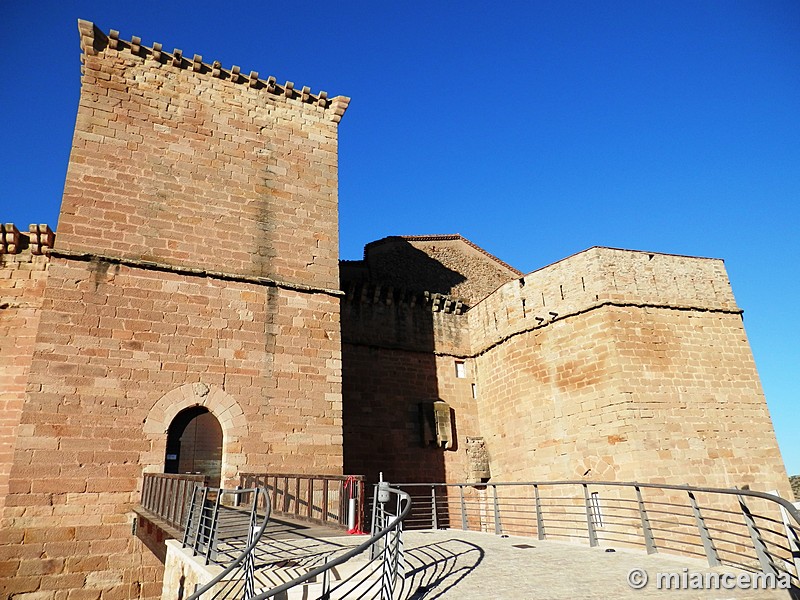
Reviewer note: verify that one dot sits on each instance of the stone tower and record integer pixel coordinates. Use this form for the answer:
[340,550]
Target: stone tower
[195,267]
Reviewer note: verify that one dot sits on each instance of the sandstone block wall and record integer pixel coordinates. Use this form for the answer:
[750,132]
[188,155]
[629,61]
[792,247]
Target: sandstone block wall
[382,429]
[626,366]
[23,274]
[181,162]
[375,315]
[610,364]
[195,264]
[398,350]
[596,277]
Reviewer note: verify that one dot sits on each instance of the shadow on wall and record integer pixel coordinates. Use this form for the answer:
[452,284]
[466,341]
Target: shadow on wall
[394,261]
[388,364]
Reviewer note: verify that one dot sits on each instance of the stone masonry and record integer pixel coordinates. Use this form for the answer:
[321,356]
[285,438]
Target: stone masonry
[196,265]
[610,365]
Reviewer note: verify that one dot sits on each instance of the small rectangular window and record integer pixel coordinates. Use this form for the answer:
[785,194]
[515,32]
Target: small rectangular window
[461,369]
[474,391]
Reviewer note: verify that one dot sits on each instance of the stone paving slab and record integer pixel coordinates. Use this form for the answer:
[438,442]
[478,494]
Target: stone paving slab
[452,564]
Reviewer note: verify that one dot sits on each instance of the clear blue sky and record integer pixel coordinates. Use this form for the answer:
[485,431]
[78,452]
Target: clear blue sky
[536,129]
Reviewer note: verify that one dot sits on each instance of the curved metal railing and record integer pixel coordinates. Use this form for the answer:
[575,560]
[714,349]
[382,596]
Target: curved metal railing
[746,529]
[218,527]
[374,579]
[750,530]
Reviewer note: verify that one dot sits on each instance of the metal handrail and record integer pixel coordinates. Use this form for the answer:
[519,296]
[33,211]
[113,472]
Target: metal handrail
[766,538]
[395,524]
[244,561]
[790,508]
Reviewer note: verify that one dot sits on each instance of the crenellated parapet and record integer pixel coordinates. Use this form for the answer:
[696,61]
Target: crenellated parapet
[24,260]
[169,147]
[95,41]
[38,240]
[375,293]
[599,277]
[389,317]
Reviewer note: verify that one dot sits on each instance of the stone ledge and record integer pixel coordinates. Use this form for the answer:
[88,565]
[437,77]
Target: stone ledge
[155,266]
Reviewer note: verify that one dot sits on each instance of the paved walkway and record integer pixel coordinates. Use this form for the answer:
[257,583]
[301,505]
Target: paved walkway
[454,564]
[462,564]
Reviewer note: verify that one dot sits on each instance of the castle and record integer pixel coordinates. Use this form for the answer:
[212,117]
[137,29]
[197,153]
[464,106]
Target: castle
[194,281]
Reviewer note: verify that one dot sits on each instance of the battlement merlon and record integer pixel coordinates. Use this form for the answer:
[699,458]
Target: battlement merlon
[94,41]
[38,240]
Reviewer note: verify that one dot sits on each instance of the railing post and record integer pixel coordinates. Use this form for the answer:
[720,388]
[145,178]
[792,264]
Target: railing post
[391,555]
[177,503]
[708,544]
[497,527]
[399,565]
[758,543]
[374,526]
[212,534]
[310,505]
[326,586]
[249,566]
[172,486]
[297,496]
[200,516]
[792,539]
[187,500]
[189,517]
[146,490]
[387,581]
[539,515]
[464,525]
[324,506]
[434,519]
[160,497]
[647,531]
[589,518]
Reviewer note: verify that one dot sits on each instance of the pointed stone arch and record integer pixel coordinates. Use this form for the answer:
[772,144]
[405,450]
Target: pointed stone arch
[221,404]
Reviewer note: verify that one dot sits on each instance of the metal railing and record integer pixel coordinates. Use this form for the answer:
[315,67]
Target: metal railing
[375,578]
[225,527]
[326,499]
[168,496]
[750,530]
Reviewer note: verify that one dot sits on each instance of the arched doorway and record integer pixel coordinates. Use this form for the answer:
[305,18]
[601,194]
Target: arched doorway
[194,444]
